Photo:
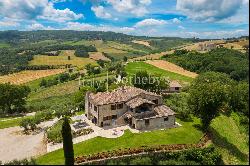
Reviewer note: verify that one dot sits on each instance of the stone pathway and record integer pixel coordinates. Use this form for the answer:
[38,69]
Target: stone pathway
[106,133]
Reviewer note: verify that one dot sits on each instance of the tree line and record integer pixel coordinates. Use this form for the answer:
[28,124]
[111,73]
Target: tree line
[231,62]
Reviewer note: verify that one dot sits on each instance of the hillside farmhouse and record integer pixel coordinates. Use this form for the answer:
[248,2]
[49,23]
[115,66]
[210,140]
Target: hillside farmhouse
[174,87]
[140,109]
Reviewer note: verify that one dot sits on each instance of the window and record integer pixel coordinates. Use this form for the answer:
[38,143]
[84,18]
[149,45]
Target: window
[120,106]
[95,108]
[177,88]
[113,107]
[166,119]
[114,116]
[155,101]
[146,122]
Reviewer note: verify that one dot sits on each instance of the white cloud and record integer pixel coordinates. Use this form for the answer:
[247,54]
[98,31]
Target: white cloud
[210,34]
[22,9]
[246,2]
[209,10]
[135,7]
[79,26]
[88,27]
[181,27]
[176,20]
[5,22]
[100,12]
[33,9]
[150,22]
[38,26]
[50,13]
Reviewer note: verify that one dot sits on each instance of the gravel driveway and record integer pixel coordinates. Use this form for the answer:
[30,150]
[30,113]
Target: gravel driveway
[15,145]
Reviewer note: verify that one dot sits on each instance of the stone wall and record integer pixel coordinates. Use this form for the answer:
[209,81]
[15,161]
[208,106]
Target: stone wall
[155,123]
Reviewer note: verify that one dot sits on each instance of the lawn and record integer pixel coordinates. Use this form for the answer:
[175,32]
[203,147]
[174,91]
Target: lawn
[231,143]
[182,135]
[62,59]
[11,122]
[133,67]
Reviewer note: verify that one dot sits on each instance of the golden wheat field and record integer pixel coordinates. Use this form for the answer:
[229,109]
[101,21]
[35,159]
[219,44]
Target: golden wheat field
[98,56]
[145,43]
[62,59]
[165,65]
[28,75]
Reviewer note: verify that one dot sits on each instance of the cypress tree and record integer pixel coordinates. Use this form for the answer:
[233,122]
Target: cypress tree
[67,142]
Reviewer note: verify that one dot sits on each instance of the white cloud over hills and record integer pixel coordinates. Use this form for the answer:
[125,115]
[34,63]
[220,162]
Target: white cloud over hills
[209,10]
[35,9]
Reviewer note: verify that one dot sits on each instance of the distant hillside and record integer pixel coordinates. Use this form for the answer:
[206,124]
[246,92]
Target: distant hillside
[34,36]
[18,48]
[228,61]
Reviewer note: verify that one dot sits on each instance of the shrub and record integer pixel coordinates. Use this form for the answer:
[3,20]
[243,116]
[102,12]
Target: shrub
[54,133]
[64,77]
[22,162]
[141,161]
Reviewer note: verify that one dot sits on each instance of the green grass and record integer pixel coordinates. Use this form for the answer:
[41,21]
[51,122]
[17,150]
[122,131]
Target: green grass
[55,97]
[62,59]
[133,67]
[34,85]
[4,45]
[80,113]
[181,135]
[231,143]
[10,122]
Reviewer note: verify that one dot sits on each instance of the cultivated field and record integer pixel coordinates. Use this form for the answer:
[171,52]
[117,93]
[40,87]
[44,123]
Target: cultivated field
[152,56]
[98,56]
[165,65]
[62,59]
[114,49]
[133,67]
[237,45]
[145,43]
[28,75]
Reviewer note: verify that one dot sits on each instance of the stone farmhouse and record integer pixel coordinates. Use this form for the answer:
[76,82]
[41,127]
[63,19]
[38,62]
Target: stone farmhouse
[127,105]
[174,86]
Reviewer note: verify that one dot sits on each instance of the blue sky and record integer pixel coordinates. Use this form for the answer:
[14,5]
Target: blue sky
[182,18]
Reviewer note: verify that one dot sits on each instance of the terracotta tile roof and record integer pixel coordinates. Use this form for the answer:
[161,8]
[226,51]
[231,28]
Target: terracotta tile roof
[146,115]
[175,84]
[159,111]
[163,110]
[137,102]
[121,94]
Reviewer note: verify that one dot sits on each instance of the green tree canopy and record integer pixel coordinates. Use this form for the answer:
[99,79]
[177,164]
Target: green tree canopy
[12,98]
[209,93]
[67,142]
[143,80]
[79,97]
